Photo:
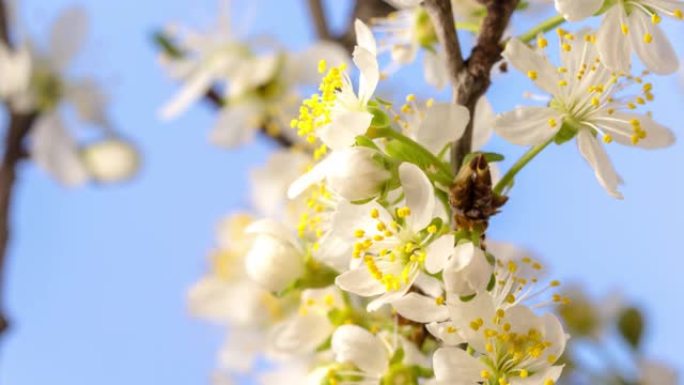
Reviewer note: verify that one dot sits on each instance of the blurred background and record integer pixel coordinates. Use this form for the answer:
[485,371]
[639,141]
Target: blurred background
[96,277]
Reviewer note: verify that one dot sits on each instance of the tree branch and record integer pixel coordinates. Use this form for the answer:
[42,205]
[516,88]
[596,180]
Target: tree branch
[319,20]
[470,78]
[19,127]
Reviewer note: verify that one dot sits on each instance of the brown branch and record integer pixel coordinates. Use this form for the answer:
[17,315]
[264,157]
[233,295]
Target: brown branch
[19,126]
[4,25]
[319,20]
[471,80]
[364,10]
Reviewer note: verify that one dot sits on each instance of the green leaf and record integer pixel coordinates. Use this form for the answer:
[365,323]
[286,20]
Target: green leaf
[490,157]
[631,326]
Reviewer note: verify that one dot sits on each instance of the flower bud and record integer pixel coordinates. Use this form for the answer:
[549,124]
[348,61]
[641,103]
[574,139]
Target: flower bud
[274,261]
[356,175]
[111,160]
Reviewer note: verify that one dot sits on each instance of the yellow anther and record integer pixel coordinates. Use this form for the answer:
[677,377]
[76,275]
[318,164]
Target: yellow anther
[451,330]
[524,373]
[624,28]
[542,42]
[500,313]
[607,139]
[489,348]
[532,75]
[566,47]
[563,83]
[648,38]
[374,213]
[439,300]
[678,14]
[429,102]
[647,87]
[595,101]
[432,229]
[403,212]
[503,381]
[510,298]
[555,283]
[552,122]
[359,233]
[655,18]
[485,374]
[549,382]
[322,66]
[410,98]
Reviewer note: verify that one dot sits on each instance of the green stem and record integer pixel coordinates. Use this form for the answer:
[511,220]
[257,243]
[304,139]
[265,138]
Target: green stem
[519,165]
[443,170]
[542,28]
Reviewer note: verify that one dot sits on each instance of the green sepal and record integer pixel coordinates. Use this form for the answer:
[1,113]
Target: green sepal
[566,133]
[467,298]
[397,357]
[380,118]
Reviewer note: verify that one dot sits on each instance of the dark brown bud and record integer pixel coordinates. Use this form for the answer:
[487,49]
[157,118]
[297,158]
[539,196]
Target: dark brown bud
[472,198]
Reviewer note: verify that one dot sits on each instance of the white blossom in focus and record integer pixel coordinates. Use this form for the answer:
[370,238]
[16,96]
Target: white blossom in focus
[584,102]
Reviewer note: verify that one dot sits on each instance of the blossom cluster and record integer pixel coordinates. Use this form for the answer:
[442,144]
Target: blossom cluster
[356,266]
[36,82]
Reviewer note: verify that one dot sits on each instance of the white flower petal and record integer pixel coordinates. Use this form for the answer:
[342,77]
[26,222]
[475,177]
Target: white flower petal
[597,158]
[443,124]
[359,281]
[612,45]
[438,253]
[54,149]
[364,37]
[344,129]
[235,125]
[300,334]
[455,366]
[483,125]
[526,60]
[271,228]
[67,36]
[658,55]
[576,10]
[356,345]
[551,373]
[554,333]
[369,71]
[657,135]
[420,195]
[193,89]
[435,70]
[313,176]
[528,126]
[446,332]
[419,308]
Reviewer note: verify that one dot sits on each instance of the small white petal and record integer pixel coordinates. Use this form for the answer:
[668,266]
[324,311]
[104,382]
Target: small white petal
[67,36]
[528,126]
[483,125]
[356,345]
[369,70]
[420,195]
[300,334]
[359,281]
[54,149]
[443,124]
[455,366]
[315,175]
[344,129]
[364,37]
[446,332]
[658,55]
[613,47]
[435,70]
[193,89]
[235,125]
[419,308]
[597,158]
[576,10]
[438,253]
[526,60]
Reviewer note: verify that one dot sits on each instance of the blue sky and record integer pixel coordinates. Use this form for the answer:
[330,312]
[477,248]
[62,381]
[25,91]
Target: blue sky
[97,276]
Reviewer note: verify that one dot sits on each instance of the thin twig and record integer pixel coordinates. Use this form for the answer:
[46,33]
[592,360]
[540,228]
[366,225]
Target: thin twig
[320,22]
